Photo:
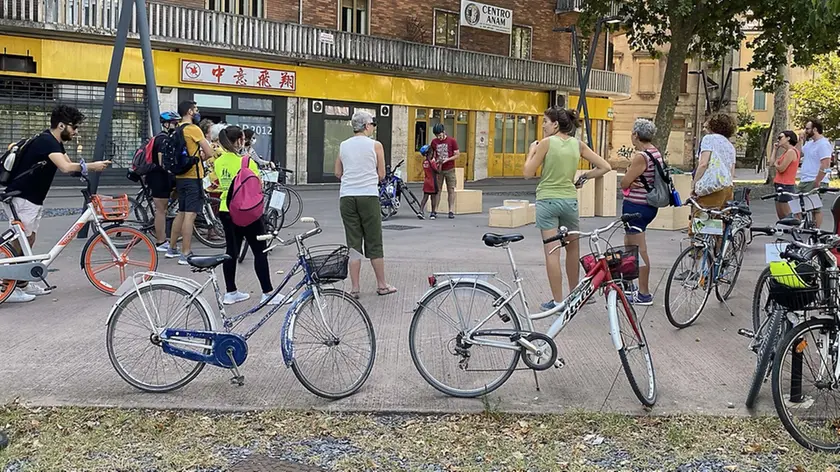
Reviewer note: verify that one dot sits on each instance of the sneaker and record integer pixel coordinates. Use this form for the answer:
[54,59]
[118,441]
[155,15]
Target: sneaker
[451,215]
[433,216]
[640,299]
[276,300]
[183,259]
[164,247]
[172,253]
[36,290]
[549,305]
[421,216]
[18,296]
[234,297]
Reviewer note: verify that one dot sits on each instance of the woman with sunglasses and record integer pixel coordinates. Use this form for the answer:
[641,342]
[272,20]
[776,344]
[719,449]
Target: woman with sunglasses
[786,166]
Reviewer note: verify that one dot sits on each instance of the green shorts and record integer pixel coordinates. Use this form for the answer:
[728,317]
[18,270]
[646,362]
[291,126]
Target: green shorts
[552,213]
[362,225]
[447,176]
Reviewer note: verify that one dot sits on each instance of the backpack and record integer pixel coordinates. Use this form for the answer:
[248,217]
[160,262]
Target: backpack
[245,198]
[144,160]
[662,193]
[177,161]
[9,160]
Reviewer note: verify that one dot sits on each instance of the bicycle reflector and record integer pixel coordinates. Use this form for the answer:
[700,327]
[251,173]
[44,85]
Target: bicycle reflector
[432,281]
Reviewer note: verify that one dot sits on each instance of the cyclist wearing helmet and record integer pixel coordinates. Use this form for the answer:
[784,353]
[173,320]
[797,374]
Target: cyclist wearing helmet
[159,181]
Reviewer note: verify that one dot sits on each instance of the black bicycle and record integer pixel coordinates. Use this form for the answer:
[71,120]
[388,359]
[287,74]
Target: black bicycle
[275,189]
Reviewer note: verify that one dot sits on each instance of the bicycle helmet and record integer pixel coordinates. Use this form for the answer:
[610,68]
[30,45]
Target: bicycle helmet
[168,116]
[793,275]
[425,149]
[437,129]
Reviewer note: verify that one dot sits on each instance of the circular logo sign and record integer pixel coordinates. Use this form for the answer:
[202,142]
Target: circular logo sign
[472,13]
[192,70]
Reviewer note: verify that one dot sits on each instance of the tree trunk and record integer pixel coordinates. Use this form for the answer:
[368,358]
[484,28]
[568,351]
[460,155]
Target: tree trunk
[681,35]
[780,118]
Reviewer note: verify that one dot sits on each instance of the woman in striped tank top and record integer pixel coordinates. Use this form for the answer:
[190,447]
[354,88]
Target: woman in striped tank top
[635,183]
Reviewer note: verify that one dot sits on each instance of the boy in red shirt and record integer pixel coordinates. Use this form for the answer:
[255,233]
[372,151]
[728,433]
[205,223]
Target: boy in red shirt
[430,181]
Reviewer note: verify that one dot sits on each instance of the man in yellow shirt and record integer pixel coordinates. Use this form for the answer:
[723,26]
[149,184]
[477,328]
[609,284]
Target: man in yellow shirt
[189,185]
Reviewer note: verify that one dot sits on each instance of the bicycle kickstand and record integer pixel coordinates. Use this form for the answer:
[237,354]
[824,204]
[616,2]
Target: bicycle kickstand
[237,379]
[536,381]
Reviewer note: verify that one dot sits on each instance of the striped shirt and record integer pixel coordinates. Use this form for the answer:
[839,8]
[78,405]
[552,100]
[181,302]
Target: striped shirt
[638,194]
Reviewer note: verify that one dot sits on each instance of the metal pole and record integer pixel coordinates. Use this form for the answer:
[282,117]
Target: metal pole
[582,95]
[148,66]
[110,96]
[584,82]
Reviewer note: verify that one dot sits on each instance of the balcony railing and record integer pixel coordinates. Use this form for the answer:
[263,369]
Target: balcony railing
[569,6]
[202,29]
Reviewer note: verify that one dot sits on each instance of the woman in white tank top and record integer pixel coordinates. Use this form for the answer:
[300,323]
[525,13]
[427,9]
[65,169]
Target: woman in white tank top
[360,166]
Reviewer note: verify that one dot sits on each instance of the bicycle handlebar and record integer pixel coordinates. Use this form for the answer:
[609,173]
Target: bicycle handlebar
[563,231]
[713,212]
[800,195]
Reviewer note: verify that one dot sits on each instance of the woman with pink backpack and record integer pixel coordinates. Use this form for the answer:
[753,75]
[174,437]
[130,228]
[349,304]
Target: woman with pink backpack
[241,211]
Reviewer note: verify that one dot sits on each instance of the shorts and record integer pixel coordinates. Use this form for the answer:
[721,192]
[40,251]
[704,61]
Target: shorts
[160,183]
[552,213]
[362,225]
[808,186]
[784,188]
[447,176]
[29,214]
[190,195]
[648,214]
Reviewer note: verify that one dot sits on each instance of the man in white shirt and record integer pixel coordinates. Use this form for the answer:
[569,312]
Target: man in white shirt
[816,159]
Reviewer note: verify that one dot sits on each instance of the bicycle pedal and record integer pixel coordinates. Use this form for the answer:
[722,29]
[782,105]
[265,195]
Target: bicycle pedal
[746,333]
[559,363]
[238,380]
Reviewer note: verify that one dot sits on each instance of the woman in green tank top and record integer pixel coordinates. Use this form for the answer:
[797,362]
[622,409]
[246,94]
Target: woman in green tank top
[559,154]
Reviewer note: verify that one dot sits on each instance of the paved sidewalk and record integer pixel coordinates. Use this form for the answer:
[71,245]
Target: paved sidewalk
[55,353]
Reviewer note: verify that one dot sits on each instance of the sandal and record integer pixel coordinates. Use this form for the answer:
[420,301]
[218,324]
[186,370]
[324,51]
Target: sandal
[354,294]
[386,291]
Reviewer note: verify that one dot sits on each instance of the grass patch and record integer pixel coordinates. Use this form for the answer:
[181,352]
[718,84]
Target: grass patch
[58,439]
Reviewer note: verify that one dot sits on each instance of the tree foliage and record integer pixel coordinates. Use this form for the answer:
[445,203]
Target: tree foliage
[820,98]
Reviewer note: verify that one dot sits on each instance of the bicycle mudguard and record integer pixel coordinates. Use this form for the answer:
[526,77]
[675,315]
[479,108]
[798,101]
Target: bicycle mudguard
[127,288]
[456,277]
[286,344]
[612,315]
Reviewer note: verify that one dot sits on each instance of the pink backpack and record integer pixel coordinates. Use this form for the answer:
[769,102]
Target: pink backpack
[245,197]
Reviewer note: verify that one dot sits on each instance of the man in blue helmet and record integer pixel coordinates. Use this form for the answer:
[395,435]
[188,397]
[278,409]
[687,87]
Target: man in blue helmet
[160,182]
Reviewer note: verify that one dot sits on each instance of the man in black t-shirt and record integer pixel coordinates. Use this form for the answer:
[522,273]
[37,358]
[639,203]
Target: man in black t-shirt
[47,147]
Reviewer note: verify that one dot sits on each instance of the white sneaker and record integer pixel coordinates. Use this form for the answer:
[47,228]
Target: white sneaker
[163,247]
[235,297]
[276,300]
[36,290]
[19,297]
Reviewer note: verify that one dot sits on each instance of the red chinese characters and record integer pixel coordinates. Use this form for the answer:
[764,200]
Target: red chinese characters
[287,81]
[240,77]
[218,72]
[264,80]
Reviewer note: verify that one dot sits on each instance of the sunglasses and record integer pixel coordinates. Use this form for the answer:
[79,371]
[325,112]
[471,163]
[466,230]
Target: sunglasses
[373,123]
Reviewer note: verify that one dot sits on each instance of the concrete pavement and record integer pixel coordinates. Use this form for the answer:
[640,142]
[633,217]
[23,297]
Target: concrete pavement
[55,352]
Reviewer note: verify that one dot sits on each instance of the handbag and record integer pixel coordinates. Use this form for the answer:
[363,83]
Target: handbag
[717,177]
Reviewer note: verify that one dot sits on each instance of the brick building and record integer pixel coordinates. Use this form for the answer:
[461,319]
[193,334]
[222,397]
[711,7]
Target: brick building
[413,64]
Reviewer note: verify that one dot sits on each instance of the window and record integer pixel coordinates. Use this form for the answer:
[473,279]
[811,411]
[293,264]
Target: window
[354,18]
[759,100]
[520,42]
[684,79]
[646,77]
[514,133]
[446,28]
[255,8]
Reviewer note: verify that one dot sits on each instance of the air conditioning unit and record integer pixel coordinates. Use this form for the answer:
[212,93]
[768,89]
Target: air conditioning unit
[317,106]
[385,110]
[558,99]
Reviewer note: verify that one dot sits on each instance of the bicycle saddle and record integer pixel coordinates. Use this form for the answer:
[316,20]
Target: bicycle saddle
[496,240]
[207,262]
[5,197]
[789,221]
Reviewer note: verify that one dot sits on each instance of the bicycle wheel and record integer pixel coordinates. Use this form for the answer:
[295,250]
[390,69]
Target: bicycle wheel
[804,384]
[761,299]
[292,206]
[765,341]
[467,370]
[333,344]
[635,351]
[7,287]
[208,227]
[107,271]
[412,200]
[141,213]
[689,279]
[731,267]
[129,332]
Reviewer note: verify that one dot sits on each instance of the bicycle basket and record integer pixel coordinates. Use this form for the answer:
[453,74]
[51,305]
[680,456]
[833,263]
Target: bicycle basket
[328,264]
[111,208]
[794,286]
[623,262]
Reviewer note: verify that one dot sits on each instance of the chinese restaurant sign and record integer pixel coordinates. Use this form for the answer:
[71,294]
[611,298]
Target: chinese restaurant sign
[237,76]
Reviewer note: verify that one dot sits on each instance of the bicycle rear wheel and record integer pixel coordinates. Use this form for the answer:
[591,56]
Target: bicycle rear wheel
[804,386]
[134,346]
[731,269]
[635,352]
[208,227]
[446,360]
[333,344]
[761,299]
[689,280]
[7,287]
[766,339]
[292,206]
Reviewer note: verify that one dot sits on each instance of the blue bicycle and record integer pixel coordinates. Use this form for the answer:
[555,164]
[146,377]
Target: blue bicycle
[391,189]
[162,332]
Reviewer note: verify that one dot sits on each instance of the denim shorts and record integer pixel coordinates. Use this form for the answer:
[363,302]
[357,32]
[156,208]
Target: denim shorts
[648,214]
[552,213]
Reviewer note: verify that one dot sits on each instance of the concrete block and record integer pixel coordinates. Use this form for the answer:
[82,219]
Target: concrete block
[508,217]
[466,202]
[605,194]
[671,219]
[532,213]
[459,178]
[515,203]
[586,197]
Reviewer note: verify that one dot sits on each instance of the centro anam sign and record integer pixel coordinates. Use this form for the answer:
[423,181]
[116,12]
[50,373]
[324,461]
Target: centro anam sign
[486,17]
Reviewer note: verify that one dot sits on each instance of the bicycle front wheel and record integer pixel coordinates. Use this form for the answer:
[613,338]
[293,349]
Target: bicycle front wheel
[731,267]
[412,201]
[106,270]
[635,352]
[804,384]
[333,344]
[442,355]
[134,345]
[766,339]
[208,227]
[688,287]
